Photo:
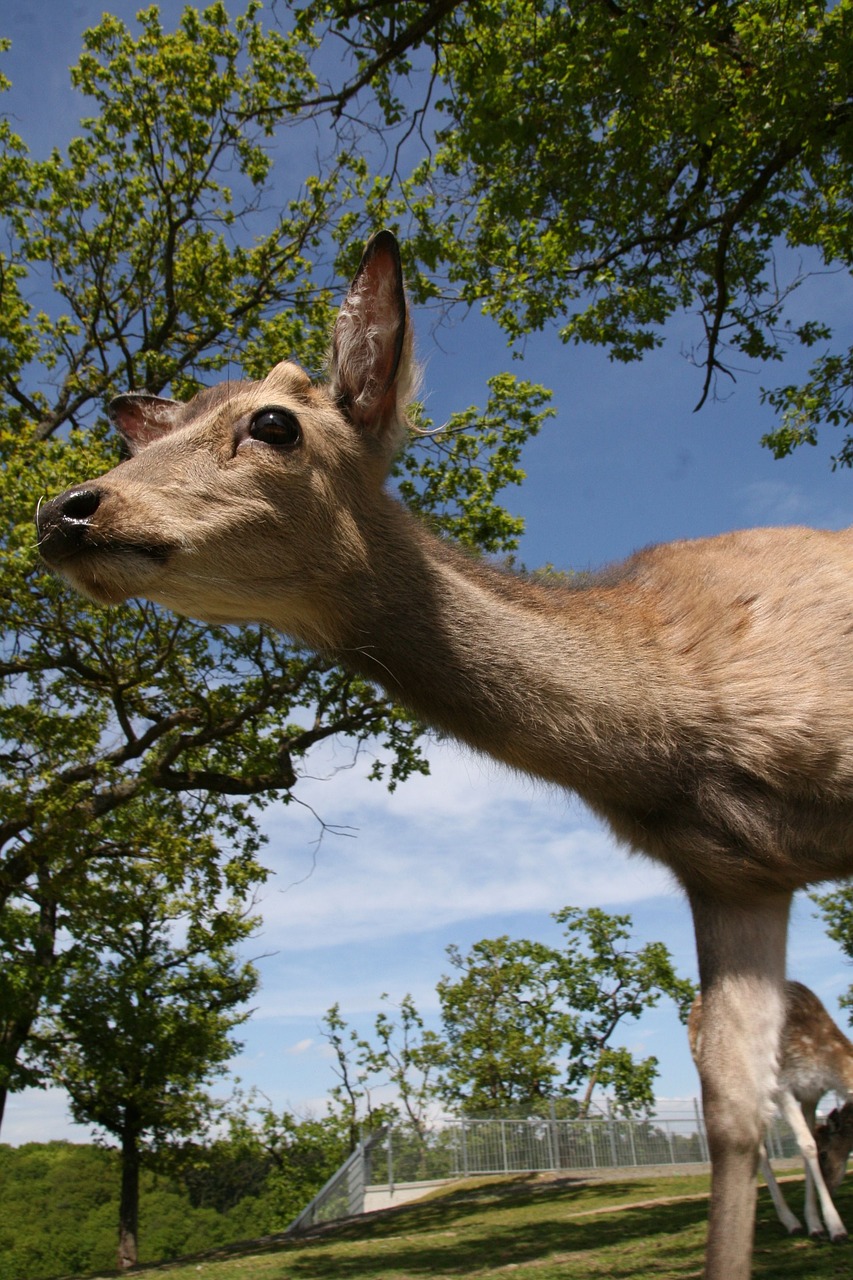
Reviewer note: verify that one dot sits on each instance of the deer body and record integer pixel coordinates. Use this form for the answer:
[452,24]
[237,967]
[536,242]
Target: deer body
[699,697]
[668,693]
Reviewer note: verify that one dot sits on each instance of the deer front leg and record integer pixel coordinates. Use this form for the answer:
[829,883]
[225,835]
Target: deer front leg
[741,951]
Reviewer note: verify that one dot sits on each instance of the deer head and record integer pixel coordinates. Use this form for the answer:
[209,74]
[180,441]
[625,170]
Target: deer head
[250,502]
[834,1139]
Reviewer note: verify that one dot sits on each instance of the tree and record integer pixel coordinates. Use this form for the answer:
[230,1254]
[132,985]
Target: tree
[152,989]
[525,1022]
[611,983]
[401,1061]
[606,165]
[277,1159]
[154,239]
[836,908]
[503,1026]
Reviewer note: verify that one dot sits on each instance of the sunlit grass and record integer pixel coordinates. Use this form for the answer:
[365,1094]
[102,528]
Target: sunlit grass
[524,1227]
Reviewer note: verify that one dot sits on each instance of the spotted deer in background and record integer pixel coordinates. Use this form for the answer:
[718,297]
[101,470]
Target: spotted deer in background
[699,697]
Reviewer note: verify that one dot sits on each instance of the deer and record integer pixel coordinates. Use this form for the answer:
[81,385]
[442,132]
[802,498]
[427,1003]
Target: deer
[698,697]
[815,1057]
[834,1137]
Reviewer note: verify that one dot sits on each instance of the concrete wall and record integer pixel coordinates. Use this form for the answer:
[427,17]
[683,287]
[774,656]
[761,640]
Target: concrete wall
[382,1196]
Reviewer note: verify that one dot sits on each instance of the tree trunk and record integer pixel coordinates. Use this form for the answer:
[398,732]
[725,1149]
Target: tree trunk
[586,1101]
[128,1212]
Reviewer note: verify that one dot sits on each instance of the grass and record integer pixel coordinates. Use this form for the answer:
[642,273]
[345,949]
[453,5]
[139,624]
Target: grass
[526,1228]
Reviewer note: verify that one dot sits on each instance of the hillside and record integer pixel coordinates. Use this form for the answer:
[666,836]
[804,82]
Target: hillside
[532,1227]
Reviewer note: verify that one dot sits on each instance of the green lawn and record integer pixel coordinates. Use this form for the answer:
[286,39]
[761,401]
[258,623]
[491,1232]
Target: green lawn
[526,1228]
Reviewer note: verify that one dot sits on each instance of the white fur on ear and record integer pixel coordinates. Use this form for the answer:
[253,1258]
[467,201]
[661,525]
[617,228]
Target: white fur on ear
[142,418]
[373,375]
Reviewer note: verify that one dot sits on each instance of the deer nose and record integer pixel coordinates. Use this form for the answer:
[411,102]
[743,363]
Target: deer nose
[63,523]
[78,504]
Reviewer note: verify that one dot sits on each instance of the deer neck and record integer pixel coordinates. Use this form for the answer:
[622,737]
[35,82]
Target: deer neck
[548,681]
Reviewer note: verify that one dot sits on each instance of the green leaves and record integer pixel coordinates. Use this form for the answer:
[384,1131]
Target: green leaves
[604,167]
[523,1024]
[185,230]
[152,989]
[836,907]
[150,992]
[503,1025]
[136,226]
[454,475]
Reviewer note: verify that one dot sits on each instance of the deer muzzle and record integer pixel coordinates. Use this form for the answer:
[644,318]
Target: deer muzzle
[81,537]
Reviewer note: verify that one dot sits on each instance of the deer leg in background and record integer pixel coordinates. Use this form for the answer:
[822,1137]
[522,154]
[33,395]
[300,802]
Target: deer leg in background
[801,1120]
[789,1220]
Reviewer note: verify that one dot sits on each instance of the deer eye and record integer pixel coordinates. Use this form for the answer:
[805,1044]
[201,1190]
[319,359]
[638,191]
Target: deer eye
[278,427]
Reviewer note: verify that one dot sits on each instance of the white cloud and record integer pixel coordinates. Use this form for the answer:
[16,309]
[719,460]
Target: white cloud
[469,841]
[780,502]
[302,1046]
[41,1115]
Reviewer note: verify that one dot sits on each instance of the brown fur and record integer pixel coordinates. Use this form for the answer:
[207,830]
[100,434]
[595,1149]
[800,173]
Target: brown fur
[700,698]
[834,1137]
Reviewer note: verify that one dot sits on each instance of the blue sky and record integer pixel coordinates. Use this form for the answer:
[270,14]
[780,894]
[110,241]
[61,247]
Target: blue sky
[471,851]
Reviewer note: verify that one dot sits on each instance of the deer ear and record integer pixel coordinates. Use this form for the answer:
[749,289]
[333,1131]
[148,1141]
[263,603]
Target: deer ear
[142,418]
[372,372]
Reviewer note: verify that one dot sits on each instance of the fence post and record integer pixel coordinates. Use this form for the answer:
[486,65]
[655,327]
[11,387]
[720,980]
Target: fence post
[669,1140]
[610,1125]
[355,1182]
[502,1124]
[390,1163]
[553,1135]
[700,1129]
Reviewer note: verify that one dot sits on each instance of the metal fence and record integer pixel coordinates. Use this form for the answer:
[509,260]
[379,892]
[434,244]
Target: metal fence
[460,1148]
[343,1195]
[605,1140]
